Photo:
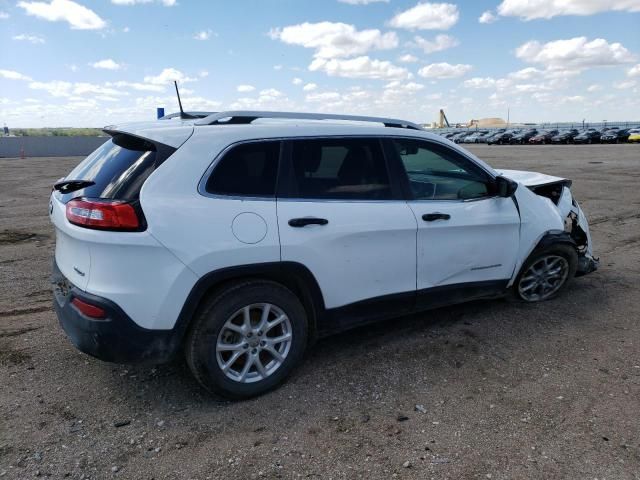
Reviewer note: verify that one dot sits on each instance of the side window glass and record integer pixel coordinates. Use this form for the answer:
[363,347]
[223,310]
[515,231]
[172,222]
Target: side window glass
[248,169]
[339,169]
[438,173]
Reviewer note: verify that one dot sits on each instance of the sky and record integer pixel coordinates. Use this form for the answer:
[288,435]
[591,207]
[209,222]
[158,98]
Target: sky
[84,63]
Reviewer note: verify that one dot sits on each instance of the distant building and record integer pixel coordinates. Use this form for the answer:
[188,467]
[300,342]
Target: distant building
[6,130]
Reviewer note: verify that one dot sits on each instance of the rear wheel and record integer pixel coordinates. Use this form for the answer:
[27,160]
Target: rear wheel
[247,339]
[545,273]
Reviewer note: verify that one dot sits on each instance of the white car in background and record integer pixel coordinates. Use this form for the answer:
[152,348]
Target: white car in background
[241,237]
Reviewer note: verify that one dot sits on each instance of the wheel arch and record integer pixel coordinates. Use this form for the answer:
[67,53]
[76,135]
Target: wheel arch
[554,237]
[295,276]
[548,238]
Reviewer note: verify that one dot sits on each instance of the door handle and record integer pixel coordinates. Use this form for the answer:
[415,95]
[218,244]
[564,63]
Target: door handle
[303,222]
[430,217]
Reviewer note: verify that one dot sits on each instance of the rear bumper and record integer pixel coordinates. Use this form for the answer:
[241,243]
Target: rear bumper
[115,338]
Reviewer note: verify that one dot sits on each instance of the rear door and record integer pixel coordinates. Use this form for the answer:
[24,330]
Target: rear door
[341,216]
[467,237]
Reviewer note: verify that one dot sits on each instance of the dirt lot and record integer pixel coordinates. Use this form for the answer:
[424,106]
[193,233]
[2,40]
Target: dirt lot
[509,391]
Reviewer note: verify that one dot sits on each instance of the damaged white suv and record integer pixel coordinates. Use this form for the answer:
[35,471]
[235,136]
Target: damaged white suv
[240,237]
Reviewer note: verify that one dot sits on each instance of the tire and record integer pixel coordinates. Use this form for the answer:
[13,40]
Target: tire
[555,255]
[217,326]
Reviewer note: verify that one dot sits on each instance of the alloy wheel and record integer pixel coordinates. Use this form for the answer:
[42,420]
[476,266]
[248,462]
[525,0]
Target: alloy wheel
[254,342]
[543,278]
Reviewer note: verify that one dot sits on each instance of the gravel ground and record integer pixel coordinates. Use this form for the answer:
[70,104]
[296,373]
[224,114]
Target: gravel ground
[482,390]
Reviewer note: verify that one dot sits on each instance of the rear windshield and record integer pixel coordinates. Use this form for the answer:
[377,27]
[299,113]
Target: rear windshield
[118,169]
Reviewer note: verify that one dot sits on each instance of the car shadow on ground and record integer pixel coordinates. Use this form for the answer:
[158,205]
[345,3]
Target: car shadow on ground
[441,339]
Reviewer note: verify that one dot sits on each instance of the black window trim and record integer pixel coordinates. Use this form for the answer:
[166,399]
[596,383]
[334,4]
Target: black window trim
[403,178]
[202,184]
[398,179]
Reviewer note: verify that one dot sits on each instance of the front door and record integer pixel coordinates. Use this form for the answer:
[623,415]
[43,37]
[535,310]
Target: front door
[467,236]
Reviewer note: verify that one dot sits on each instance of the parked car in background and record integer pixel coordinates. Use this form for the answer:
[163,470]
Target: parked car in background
[485,136]
[523,137]
[543,137]
[473,138]
[615,136]
[565,136]
[501,137]
[588,136]
[634,135]
[460,136]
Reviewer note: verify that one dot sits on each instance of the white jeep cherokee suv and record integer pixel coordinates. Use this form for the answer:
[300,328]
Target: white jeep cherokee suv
[241,237]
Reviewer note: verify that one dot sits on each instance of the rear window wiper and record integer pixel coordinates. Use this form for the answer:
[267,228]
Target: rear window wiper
[68,186]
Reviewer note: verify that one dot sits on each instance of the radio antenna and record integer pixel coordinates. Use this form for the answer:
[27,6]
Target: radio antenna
[182,113]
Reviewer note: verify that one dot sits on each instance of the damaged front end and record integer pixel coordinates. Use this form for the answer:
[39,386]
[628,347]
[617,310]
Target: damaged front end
[575,222]
[550,210]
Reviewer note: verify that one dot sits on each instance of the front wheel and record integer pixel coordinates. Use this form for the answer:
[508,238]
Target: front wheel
[247,339]
[545,273]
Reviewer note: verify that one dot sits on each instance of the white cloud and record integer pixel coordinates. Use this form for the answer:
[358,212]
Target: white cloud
[278,67]
[444,70]
[427,16]
[359,67]
[594,88]
[309,87]
[323,97]
[410,87]
[362,2]
[75,91]
[166,3]
[203,74]
[35,39]
[487,17]
[634,71]
[77,16]
[624,84]
[297,81]
[408,58]
[525,74]
[13,75]
[106,64]
[141,87]
[333,40]
[441,42]
[575,53]
[168,75]
[245,88]
[203,35]
[82,88]
[271,93]
[479,82]
[4,15]
[528,10]
[55,88]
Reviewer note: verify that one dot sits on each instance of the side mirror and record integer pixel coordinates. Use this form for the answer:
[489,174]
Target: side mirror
[505,187]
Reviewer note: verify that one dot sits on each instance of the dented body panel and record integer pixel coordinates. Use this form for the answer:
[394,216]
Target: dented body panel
[540,216]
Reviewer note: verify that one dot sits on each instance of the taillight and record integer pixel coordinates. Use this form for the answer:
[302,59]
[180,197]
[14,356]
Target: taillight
[103,214]
[88,309]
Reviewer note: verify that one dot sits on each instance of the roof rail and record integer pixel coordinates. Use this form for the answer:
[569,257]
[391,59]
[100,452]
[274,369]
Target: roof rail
[246,116]
[169,116]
